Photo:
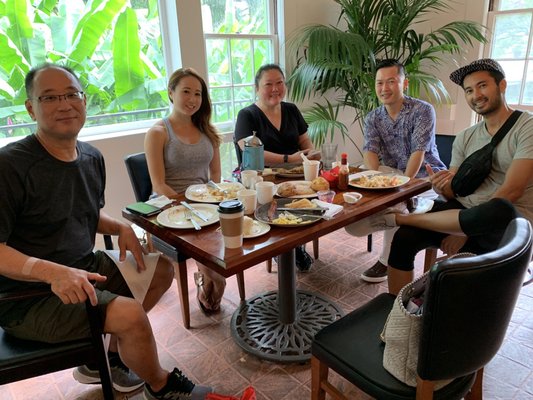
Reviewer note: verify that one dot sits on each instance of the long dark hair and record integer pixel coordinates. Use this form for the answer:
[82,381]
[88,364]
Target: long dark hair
[201,118]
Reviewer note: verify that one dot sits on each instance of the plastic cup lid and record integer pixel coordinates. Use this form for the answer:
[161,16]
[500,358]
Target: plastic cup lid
[230,206]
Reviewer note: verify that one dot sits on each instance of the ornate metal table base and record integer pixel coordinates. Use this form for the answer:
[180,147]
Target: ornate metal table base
[257,328]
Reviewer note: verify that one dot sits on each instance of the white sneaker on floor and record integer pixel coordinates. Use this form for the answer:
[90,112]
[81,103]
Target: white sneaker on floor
[377,222]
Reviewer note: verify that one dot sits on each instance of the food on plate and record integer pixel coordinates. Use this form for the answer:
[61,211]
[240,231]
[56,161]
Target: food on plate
[286,218]
[289,189]
[295,170]
[207,193]
[248,225]
[301,203]
[319,183]
[377,181]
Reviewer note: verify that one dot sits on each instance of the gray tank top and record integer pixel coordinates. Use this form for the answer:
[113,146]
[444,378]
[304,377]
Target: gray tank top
[186,164]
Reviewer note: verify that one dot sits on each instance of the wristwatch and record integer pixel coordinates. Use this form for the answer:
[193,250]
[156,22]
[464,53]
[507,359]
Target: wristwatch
[285,158]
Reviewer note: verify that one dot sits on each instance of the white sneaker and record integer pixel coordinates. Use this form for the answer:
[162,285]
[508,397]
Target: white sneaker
[377,222]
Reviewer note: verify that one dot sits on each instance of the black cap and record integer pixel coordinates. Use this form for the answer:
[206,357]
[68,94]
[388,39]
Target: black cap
[485,64]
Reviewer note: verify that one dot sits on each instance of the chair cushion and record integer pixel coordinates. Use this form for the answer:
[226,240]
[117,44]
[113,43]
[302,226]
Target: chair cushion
[352,347]
[20,356]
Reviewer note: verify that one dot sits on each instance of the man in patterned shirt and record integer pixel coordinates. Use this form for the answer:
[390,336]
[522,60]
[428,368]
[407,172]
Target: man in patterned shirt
[400,134]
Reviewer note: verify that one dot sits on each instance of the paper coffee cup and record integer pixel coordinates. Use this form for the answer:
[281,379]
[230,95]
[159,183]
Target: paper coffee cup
[231,215]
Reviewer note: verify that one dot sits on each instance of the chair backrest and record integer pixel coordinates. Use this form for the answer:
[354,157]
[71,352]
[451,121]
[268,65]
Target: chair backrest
[468,306]
[444,146]
[238,151]
[139,175]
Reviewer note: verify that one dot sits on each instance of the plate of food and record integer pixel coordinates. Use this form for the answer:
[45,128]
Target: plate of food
[289,171]
[289,213]
[377,180]
[176,217]
[253,228]
[203,193]
[302,189]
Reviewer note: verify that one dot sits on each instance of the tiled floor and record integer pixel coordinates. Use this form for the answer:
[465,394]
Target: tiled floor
[208,354]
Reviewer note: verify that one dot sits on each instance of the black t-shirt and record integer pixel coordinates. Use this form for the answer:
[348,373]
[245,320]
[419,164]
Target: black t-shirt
[49,209]
[282,141]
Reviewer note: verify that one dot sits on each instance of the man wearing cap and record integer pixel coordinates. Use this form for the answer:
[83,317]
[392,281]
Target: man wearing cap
[511,177]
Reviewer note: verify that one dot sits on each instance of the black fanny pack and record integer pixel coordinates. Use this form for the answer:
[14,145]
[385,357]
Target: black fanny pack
[476,167]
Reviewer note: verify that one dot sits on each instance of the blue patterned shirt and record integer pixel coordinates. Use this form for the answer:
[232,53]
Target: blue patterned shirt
[395,141]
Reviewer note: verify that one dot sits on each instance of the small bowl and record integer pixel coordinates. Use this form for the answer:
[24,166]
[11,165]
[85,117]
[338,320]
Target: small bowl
[326,195]
[352,197]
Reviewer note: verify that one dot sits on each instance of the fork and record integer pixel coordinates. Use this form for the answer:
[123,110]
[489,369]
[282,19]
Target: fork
[189,217]
[217,187]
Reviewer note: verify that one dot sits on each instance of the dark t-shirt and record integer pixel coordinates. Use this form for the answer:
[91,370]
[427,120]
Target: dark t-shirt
[282,141]
[49,209]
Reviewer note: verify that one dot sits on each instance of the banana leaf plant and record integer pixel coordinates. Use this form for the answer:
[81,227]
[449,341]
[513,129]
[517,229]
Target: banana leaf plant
[120,65]
[330,59]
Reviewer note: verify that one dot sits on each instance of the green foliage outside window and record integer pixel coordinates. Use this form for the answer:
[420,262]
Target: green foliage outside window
[120,65]
[232,61]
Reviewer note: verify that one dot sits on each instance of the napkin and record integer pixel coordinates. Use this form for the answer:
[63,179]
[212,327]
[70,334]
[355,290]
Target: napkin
[331,209]
[160,201]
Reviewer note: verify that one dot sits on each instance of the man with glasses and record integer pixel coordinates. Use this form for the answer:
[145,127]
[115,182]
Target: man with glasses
[50,211]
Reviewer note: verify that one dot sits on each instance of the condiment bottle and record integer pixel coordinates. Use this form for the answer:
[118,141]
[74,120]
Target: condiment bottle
[344,173]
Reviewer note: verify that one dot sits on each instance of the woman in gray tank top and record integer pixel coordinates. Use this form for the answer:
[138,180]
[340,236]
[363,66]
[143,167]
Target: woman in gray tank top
[182,150]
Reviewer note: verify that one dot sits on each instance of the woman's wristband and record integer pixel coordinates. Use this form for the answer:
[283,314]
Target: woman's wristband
[285,158]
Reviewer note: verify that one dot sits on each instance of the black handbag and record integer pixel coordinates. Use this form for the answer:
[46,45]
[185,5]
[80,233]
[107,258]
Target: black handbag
[476,167]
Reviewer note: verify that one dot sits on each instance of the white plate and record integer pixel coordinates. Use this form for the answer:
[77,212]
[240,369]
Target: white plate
[258,229]
[261,214]
[174,217]
[203,194]
[299,196]
[402,180]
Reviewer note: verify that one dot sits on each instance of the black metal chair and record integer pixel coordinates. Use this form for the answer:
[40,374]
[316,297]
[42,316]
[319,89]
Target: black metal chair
[142,188]
[467,308]
[22,359]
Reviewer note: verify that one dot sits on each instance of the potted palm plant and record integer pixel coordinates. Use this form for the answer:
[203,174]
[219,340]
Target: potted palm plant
[329,58]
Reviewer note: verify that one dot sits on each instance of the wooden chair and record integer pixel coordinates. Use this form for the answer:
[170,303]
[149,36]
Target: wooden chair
[142,188]
[467,307]
[22,359]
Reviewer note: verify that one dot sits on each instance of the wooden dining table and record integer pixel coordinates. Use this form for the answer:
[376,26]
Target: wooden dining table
[277,325]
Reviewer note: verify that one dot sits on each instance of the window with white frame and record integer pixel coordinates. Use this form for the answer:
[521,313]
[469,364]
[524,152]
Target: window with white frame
[115,47]
[511,44]
[240,36]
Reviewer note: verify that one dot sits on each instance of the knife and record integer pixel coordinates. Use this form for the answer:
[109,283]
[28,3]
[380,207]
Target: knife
[194,211]
[304,210]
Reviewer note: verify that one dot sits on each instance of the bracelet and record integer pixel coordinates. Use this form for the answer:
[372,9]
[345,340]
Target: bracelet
[285,158]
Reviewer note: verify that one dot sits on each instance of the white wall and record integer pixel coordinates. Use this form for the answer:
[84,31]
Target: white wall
[297,13]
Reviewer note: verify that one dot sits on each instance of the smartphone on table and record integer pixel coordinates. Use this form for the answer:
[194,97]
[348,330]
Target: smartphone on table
[141,208]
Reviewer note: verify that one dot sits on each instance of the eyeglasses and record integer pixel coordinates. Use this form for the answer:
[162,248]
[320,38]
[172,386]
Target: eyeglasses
[75,97]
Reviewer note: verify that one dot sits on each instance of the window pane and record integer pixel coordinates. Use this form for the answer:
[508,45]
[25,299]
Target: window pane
[244,96]
[514,4]
[242,62]
[262,53]
[235,16]
[221,102]
[218,62]
[86,38]
[514,73]
[528,89]
[511,34]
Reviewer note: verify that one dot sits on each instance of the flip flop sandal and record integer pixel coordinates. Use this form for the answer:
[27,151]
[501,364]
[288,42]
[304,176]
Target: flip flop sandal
[200,289]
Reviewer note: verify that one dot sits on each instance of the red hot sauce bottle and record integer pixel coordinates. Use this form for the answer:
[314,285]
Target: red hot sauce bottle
[344,173]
